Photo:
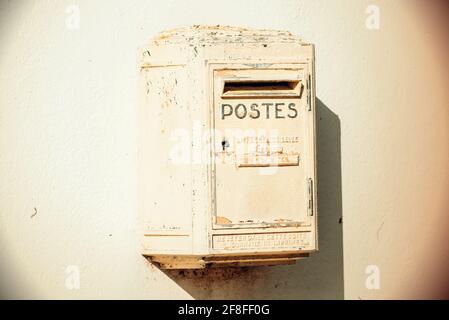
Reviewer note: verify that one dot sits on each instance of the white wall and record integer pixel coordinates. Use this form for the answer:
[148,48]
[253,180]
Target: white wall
[68,149]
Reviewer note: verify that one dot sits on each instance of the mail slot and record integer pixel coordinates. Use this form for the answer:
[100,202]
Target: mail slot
[227,163]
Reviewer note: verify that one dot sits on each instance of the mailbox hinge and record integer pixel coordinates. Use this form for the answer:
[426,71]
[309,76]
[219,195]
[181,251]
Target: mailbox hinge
[310,196]
[309,92]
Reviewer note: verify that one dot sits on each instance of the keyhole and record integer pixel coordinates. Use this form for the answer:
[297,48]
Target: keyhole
[225,144]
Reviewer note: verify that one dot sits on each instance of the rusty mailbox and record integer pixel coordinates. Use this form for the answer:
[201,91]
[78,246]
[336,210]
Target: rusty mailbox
[227,162]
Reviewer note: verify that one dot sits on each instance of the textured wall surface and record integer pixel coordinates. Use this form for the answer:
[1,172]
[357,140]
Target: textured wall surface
[68,150]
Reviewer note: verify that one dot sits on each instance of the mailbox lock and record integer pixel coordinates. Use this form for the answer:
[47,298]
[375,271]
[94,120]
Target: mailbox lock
[224,144]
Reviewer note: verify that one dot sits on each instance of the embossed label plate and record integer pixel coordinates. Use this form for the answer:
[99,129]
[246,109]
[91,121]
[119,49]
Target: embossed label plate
[261,241]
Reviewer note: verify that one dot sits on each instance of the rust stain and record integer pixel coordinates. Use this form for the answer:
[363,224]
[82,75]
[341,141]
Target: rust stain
[223,220]
[162,36]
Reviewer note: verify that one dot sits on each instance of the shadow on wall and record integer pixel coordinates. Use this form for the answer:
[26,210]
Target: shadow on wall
[317,277]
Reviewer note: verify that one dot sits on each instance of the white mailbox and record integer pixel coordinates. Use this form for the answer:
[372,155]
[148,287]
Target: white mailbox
[227,162]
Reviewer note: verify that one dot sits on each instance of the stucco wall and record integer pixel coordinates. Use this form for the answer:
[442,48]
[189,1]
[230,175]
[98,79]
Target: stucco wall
[68,150]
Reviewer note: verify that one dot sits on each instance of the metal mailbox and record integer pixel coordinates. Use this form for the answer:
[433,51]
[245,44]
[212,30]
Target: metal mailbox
[227,161]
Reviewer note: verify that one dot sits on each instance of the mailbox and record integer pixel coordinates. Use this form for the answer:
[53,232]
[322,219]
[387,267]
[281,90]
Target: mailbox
[227,163]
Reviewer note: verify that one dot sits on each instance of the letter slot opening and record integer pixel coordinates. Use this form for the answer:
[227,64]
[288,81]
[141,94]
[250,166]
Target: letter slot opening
[261,88]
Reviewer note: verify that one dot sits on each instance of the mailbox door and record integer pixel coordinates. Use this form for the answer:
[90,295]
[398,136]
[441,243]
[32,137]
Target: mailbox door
[263,147]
